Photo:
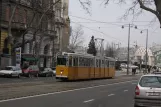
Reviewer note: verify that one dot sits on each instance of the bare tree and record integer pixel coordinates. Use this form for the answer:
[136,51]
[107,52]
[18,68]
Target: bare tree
[76,38]
[40,20]
[110,50]
[153,6]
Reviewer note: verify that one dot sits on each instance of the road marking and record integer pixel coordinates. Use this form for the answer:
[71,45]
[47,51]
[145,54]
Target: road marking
[16,80]
[134,83]
[40,95]
[88,101]
[104,91]
[125,90]
[111,95]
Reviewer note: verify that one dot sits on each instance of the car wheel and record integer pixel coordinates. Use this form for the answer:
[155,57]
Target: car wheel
[10,76]
[46,75]
[19,76]
[52,75]
[37,75]
[136,105]
[30,76]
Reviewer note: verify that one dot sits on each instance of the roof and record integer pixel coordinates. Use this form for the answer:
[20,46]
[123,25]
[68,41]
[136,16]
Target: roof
[141,51]
[152,75]
[11,66]
[89,56]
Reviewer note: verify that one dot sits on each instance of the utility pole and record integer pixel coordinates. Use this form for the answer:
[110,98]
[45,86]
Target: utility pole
[128,50]
[0,32]
[146,54]
[53,50]
[146,50]
[128,53]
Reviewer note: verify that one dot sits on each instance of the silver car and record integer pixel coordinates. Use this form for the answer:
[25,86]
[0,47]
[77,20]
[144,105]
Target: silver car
[11,71]
[148,91]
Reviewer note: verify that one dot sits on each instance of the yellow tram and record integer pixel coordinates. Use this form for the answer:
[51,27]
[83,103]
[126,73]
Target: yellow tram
[72,66]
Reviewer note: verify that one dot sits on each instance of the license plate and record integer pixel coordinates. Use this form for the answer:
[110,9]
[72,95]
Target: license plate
[154,94]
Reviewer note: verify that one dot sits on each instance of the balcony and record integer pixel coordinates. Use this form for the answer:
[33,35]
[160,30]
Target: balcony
[50,33]
[59,20]
[15,25]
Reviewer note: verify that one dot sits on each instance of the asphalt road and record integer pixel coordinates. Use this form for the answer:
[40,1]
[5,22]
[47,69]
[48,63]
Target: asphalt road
[110,95]
[4,80]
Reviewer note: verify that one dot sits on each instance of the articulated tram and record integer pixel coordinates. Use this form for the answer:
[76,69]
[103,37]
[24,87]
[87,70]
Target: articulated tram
[72,66]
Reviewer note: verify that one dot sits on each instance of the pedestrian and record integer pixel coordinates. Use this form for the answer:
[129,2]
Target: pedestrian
[149,70]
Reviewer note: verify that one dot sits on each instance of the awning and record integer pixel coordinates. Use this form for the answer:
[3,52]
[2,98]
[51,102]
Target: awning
[30,59]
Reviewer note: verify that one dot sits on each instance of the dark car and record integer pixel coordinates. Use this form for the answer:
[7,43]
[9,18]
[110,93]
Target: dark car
[47,72]
[30,71]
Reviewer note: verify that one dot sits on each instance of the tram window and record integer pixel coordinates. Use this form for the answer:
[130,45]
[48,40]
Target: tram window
[91,63]
[97,63]
[107,63]
[100,63]
[112,64]
[70,61]
[75,61]
[80,61]
[61,61]
[85,62]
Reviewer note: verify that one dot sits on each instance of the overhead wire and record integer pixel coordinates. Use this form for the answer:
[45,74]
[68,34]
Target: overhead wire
[112,23]
[102,33]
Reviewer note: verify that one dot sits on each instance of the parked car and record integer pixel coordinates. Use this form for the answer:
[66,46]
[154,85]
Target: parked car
[123,65]
[54,70]
[148,91]
[11,71]
[32,70]
[47,72]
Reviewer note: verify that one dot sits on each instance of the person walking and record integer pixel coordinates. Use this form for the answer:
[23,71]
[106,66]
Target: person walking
[149,70]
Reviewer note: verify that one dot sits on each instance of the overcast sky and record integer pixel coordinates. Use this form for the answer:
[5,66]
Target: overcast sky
[112,31]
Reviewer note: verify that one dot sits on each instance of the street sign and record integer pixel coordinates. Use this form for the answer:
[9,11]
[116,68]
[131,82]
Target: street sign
[18,56]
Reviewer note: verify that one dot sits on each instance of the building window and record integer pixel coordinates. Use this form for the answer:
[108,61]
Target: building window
[25,16]
[7,13]
[16,15]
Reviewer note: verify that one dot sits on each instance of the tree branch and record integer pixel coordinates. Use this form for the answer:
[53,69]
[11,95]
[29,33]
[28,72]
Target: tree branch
[146,8]
[86,4]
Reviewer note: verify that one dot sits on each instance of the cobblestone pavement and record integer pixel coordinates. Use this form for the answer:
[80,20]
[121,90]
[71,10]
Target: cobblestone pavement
[15,90]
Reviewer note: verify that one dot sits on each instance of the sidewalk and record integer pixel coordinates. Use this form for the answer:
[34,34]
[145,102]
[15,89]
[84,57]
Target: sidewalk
[124,72]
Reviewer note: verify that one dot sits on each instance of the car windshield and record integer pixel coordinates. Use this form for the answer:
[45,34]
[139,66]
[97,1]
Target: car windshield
[150,81]
[8,68]
[45,69]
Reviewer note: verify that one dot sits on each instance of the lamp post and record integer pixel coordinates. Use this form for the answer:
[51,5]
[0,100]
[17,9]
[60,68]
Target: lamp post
[146,55]
[129,32]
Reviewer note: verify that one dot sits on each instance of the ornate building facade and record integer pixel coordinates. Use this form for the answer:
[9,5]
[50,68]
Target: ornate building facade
[37,27]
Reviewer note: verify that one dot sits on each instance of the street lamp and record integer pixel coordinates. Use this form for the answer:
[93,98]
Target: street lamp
[146,59]
[129,26]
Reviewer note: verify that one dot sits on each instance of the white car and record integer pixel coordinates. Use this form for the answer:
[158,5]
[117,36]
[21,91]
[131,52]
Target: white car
[11,71]
[123,65]
[54,71]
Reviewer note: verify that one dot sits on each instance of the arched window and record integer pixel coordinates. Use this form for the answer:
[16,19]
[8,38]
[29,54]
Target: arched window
[46,49]
[6,43]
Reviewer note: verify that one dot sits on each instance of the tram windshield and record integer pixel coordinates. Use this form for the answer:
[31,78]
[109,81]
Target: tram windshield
[61,61]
